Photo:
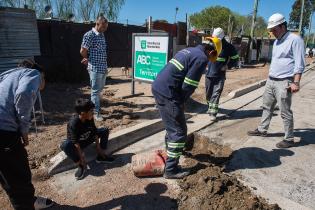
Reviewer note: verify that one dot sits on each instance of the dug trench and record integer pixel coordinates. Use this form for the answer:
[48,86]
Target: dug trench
[210,186]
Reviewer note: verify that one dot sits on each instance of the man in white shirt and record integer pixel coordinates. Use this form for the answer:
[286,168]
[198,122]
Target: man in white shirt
[286,68]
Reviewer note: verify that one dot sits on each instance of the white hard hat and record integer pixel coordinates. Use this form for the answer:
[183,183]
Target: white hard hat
[275,19]
[218,32]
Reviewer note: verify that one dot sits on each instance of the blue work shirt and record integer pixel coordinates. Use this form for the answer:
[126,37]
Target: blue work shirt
[227,59]
[287,56]
[95,43]
[181,75]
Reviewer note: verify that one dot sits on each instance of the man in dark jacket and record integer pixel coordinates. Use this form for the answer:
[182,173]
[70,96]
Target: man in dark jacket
[215,75]
[172,87]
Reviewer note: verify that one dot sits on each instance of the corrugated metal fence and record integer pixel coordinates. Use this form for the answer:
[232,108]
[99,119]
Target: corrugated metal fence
[60,44]
[56,44]
[18,36]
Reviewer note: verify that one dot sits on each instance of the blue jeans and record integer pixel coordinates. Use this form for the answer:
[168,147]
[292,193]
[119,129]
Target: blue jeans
[97,82]
[68,146]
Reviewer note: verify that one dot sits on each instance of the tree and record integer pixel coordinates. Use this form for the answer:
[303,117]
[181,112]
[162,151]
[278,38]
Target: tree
[90,9]
[85,10]
[244,23]
[212,17]
[218,16]
[295,14]
[161,21]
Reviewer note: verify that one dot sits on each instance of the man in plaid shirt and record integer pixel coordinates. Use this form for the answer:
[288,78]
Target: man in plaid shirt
[93,51]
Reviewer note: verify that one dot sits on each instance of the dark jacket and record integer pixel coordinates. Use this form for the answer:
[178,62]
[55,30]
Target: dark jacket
[227,59]
[181,75]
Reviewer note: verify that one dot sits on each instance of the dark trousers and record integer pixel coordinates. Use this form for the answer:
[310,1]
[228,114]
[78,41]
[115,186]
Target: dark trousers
[68,146]
[15,173]
[214,88]
[173,117]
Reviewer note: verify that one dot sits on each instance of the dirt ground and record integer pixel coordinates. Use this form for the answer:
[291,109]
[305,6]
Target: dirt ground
[209,188]
[119,113]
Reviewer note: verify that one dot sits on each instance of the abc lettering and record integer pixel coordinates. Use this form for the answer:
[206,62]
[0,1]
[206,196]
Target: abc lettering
[143,59]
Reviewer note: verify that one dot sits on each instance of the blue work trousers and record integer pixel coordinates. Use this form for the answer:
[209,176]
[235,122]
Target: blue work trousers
[173,117]
[214,88]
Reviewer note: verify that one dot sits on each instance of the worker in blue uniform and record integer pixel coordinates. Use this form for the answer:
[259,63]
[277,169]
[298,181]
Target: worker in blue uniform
[215,76]
[171,88]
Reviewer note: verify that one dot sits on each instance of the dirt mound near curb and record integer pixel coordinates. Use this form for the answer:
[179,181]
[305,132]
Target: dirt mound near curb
[209,187]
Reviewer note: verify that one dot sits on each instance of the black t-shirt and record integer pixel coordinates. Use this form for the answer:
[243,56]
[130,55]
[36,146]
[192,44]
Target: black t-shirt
[82,133]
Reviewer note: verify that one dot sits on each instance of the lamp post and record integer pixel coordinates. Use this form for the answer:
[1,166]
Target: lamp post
[176,10]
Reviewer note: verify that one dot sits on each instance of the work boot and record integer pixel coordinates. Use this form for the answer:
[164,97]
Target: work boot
[256,132]
[285,144]
[80,172]
[98,117]
[42,203]
[179,173]
[213,117]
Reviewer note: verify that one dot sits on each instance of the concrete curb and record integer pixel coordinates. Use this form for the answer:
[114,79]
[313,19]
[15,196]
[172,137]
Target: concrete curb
[117,141]
[125,137]
[242,91]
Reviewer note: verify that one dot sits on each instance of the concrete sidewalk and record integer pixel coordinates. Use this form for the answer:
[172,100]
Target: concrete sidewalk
[284,176]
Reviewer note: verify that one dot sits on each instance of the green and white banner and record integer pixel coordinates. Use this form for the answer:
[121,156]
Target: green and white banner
[150,56]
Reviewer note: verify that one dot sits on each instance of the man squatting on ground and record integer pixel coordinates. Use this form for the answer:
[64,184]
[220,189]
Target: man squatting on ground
[18,92]
[81,132]
[172,87]
[286,68]
[215,76]
[93,51]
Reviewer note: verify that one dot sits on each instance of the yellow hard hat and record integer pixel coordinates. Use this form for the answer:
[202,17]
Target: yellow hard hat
[218,46]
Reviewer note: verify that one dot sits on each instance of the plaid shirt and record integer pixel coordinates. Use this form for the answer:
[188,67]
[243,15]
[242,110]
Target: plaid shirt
[95,43]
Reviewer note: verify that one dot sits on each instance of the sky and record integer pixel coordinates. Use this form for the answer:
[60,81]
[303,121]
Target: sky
[136,11]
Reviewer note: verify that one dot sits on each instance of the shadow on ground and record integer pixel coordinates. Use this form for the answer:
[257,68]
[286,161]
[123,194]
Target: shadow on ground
[152,199]
[253,158]
[306,136]
[97,169]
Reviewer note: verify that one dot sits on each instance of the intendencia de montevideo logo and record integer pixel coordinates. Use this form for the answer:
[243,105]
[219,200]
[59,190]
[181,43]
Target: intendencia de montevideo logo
[143,44]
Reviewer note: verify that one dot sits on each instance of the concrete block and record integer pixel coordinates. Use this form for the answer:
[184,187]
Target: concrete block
[242,91]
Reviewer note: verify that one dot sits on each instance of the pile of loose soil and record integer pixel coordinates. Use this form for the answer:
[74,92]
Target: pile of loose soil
[210,187]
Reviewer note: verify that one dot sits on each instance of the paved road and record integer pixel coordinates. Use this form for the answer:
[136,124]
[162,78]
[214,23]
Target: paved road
[284,176]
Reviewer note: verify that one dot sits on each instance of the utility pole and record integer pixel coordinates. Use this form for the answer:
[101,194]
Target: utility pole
[231,29]
[187,30]
[309,29]
[301,17]
[228,30]
[150,26]
[252,30]
[176,10]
